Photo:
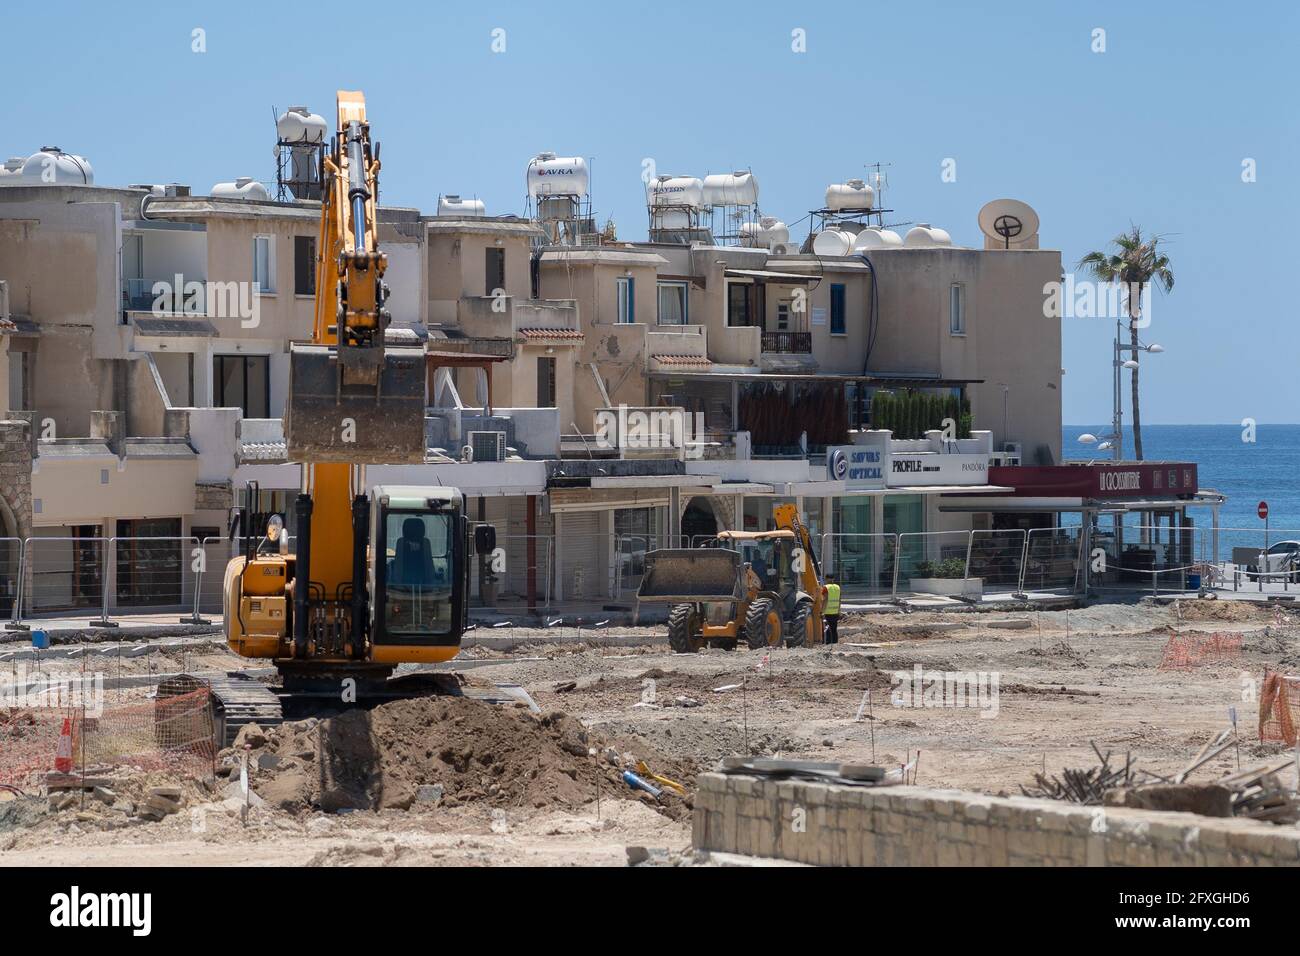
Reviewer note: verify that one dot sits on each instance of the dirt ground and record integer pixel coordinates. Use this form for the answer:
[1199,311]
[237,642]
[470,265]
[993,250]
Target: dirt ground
[466,783]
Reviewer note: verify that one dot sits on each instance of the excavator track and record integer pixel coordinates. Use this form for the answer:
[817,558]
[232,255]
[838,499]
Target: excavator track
[237,700]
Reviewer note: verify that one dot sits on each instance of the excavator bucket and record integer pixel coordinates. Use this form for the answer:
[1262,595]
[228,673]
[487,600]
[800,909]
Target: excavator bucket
[336,418]
[687,575]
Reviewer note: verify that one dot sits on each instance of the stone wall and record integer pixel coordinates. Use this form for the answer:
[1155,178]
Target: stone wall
[15,478]
[915,826]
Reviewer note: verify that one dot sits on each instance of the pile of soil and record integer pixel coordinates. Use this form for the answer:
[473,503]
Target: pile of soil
[445,751]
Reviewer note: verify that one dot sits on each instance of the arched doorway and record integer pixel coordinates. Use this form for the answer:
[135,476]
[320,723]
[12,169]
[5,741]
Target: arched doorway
[698,520]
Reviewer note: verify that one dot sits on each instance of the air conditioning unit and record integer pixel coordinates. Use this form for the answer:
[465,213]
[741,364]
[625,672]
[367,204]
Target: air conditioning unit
[785,249]
[488,446]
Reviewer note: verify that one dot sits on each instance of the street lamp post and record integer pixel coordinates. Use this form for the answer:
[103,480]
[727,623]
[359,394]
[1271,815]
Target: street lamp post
[1115,440]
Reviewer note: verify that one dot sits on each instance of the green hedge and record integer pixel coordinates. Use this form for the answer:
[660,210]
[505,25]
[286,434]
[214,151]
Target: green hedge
[910,414]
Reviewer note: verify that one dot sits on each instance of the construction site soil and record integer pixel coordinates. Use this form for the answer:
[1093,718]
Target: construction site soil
[458,781]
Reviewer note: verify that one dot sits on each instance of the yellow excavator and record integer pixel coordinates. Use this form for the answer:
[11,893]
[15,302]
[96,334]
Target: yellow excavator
[374,580]
[760,588]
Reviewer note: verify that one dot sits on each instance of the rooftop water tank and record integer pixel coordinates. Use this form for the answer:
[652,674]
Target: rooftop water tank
[551,175]
[12,170]
[854,194]
[873,237]
[675,191]
[53,165]
[465,208]
[923,235]
[833,242]
[731,189]
[245,187]
[298,124]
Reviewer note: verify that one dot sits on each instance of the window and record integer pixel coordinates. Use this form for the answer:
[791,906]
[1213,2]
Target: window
[673,303]
[304,265]
[744,303]
[626,300]
[783,315]
[546,382]
[20,380]
[264,264]
[957,309]
[243,382]
[417,574]
[838,326]
[494,270]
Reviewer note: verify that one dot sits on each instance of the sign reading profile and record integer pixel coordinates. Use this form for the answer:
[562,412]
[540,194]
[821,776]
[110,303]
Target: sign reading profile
[937,469]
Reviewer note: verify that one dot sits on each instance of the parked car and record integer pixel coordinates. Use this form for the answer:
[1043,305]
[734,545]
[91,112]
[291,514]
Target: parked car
[1282,558]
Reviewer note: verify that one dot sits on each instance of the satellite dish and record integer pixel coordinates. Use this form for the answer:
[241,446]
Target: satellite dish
[1008,223]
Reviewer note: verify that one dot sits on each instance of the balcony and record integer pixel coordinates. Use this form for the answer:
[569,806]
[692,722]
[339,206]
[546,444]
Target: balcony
[789,343]
[189,298]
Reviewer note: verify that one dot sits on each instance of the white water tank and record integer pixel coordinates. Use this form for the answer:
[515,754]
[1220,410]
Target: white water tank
[12,170]
[53,165]
[675,191]
[767,233]
[833,242]
[731,189]
[551,175]
[924,235]
[873,237]
[465,208]
[298,124]
[245,187]
[854,194]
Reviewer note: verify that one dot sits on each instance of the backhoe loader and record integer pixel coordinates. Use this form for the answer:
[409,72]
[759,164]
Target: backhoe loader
[759,588]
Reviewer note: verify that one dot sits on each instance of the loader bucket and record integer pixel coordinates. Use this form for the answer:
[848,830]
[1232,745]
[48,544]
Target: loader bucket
[329,421]
[687,575]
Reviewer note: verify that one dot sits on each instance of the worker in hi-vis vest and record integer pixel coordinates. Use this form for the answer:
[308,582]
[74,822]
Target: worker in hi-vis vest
[831,603]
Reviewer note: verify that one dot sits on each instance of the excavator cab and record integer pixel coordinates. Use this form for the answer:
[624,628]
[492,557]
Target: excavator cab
[419,568]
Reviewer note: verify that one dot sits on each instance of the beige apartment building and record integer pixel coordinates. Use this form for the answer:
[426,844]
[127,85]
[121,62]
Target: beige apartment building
[145,368]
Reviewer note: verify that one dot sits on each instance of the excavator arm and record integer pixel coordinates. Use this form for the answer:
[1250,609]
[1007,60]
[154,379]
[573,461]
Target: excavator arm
[352,398]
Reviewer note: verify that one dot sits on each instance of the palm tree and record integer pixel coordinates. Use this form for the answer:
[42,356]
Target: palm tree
[1136,262]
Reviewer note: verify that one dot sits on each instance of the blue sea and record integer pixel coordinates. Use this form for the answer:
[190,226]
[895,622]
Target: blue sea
[1266,470]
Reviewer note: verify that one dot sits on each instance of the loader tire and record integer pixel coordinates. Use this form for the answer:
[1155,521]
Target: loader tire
[798,636]
[762,624]
[683,637]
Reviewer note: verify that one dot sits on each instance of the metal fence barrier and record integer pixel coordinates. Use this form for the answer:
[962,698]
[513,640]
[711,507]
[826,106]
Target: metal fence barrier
[11,575]
[505,588]
[1053,560]
[927,556]
[863,563]
[996,558]
[100,577]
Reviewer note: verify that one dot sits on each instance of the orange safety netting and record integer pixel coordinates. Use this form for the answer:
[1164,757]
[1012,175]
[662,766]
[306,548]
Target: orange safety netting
[1189,650]
[173,732]
[1279,700]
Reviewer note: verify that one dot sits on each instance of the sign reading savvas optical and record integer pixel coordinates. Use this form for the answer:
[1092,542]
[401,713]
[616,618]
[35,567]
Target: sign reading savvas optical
[860,467]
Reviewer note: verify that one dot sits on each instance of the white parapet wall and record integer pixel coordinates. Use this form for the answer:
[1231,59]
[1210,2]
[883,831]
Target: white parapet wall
[914,826]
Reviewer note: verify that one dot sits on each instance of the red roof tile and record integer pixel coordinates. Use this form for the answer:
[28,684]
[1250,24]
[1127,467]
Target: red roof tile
[551,334]
[695,361]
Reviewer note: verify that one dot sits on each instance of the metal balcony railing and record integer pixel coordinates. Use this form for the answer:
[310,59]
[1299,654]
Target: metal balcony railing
[796,342]
[138,296]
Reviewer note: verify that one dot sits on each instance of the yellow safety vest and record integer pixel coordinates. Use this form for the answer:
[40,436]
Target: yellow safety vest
[832,599]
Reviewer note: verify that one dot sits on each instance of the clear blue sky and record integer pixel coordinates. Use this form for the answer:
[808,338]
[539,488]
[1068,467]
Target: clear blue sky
[1152,131]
